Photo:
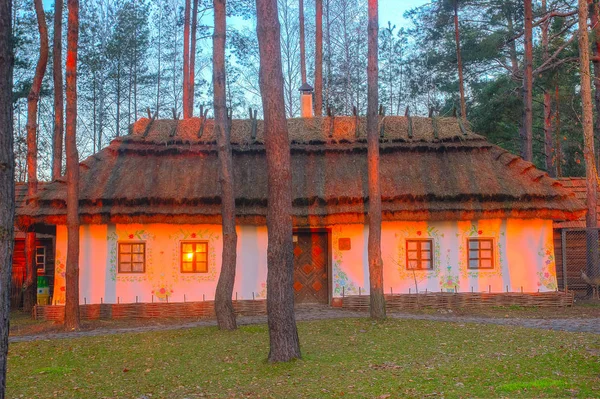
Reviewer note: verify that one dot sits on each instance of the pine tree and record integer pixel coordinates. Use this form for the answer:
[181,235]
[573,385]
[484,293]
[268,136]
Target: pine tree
[591,175]
[283,334]
[224,293]
[374,245]
[72,263]
[58,90]
[30,285]
[7,181]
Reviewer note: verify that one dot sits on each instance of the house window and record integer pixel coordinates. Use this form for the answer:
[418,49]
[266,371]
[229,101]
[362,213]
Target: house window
[194,257]
[481,253]
[40,259]
[419,254]
[132,257]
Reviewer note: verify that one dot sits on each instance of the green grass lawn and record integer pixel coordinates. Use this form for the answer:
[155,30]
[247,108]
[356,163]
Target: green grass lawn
[353,358]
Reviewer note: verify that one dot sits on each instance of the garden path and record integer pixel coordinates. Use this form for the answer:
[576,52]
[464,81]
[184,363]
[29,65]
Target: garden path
[308,313]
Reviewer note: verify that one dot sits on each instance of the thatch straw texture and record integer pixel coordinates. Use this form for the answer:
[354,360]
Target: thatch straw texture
[166,174]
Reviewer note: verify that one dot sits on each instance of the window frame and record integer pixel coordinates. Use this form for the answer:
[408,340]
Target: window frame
[143,243]
[492,257]
[43,264]
[419,251]
[194,261]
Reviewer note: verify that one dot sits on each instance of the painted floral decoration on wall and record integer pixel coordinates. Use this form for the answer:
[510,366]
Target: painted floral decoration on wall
[449,281]
[474,231]
[130,235]
[418,233]
[262,294]
[547,275]
[163,292]
[58,296]
[200,235]
[341,282]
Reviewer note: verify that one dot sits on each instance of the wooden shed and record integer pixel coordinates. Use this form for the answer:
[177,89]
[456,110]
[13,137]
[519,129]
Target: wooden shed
[571,235]
[44,256]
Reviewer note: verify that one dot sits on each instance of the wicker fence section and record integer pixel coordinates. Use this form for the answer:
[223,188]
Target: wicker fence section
[149,310]
[462,300]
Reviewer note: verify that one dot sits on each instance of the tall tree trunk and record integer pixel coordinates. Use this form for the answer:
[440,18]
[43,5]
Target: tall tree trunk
[192,69]
[595,22]
[159,71]
[318,57]
[548,133]
[94,108]
[527,124]
[7,182]
[591,175]
[72,272]
[223,303]
[283,334]
[512,47]
[549,152]
[186,59]
[557,145]
[58,90]
[30,286]
[118,116]
[461,81]
[302,44]
[374,245]
[328,43]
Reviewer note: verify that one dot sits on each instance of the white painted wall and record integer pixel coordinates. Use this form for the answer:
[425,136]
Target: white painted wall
[100,280]
[524,254]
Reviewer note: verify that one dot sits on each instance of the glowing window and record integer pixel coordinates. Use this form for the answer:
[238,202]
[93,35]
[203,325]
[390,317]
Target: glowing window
[132,257]
[419,255]
[194,257]
[481,253]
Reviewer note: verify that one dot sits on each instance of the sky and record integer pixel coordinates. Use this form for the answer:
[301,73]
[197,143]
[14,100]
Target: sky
[389,10]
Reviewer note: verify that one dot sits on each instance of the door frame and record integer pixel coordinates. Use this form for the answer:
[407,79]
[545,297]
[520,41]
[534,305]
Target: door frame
[329,254]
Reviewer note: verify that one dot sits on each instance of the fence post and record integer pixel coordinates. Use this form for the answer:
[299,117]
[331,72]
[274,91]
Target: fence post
[563,239]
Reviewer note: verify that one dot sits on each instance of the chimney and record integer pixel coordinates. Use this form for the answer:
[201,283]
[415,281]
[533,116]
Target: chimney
[306,101]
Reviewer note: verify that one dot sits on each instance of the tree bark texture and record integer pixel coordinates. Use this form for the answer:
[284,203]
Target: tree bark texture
[224,293]
[549,154]
[595,22]
[192,69]
[318,57]
[588,141]
[72,272]
[283,334]
[302,42]
[374,242]
[58,91]
[557,145]
[30,285]
[7,181]
[461,81]
[527,124]
[186,59]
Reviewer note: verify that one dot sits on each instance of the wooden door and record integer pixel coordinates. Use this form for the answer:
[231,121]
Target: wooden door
[311,275]
[18,275]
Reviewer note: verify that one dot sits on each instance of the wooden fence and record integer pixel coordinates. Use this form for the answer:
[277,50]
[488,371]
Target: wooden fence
[149,310]
[394,302]
[442,300]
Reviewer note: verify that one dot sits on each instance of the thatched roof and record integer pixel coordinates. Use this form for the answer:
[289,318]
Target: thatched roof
[430,170]
[578,186]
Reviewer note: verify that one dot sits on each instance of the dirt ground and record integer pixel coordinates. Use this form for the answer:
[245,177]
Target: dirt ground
[23,325]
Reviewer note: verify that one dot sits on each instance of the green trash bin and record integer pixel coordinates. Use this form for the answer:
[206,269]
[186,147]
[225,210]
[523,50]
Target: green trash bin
[43,288]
